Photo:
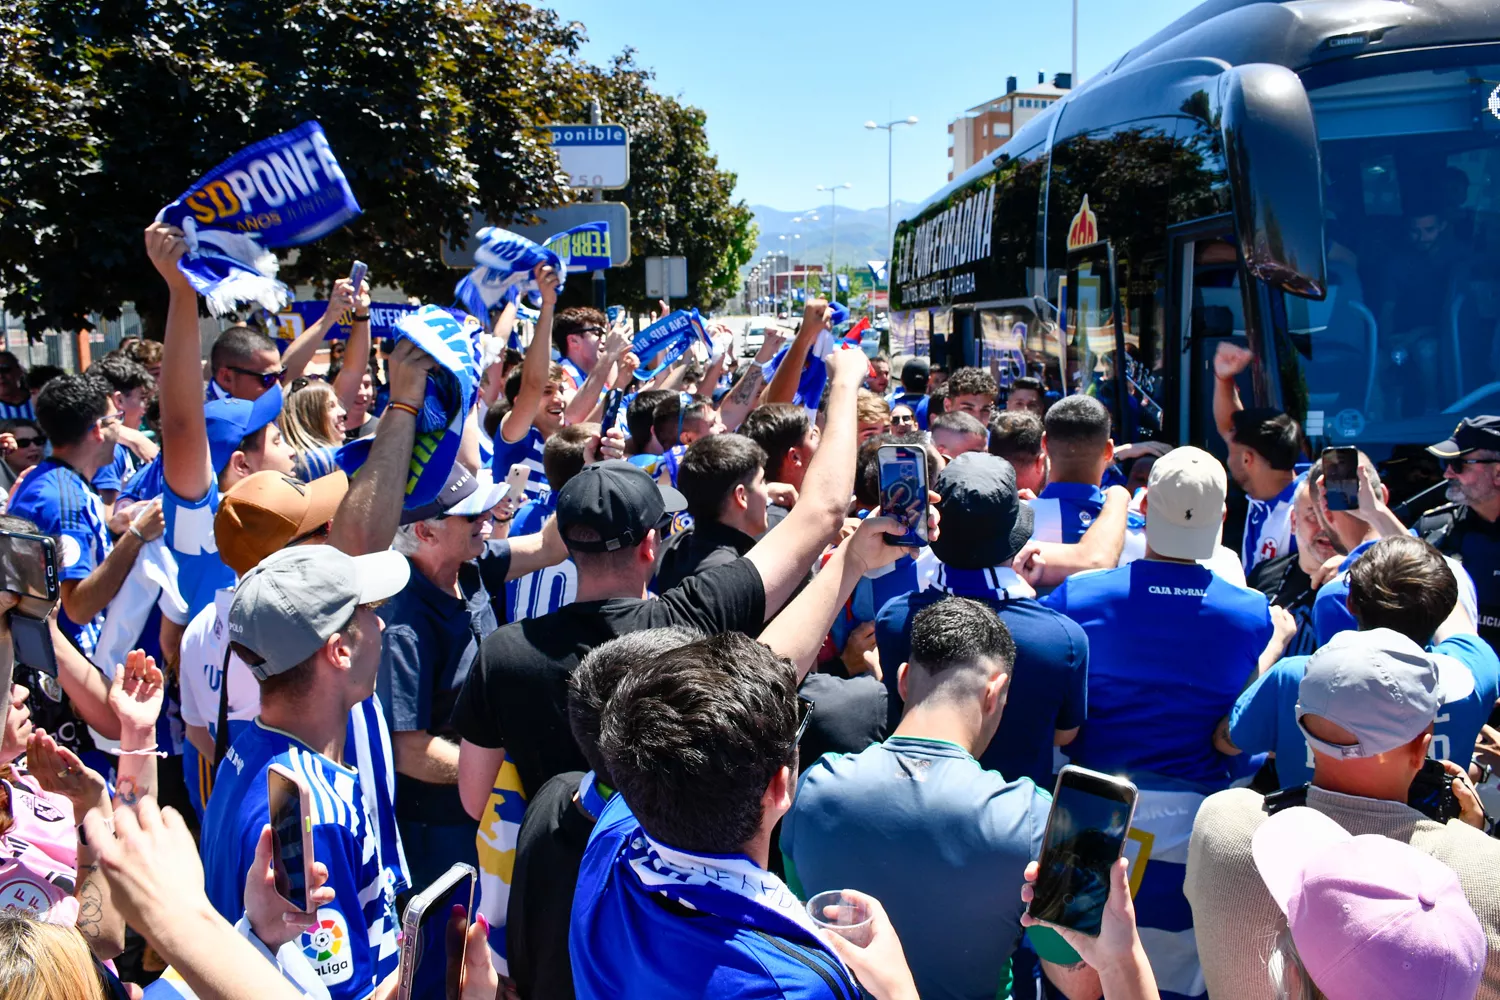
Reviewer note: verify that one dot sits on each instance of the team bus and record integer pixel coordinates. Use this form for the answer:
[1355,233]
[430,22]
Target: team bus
[1316,179]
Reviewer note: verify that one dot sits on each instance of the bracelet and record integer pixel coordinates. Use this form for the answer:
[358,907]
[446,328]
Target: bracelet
[360,318]
[109,824]
[150,751]
[396,404]
[137,532]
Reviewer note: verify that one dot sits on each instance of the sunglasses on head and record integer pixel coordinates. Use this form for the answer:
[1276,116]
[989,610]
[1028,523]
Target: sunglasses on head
[1457,464]
[267,379]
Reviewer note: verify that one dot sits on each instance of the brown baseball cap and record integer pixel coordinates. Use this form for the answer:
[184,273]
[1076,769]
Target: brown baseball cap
[267,511]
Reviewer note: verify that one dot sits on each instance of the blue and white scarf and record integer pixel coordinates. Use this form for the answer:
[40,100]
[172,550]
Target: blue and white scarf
[582,248]
[451,387]
[997,583]
[730,886]
[505,260]
[671,336]
[283,191]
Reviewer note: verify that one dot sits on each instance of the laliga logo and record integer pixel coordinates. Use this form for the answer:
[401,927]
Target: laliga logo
[1494,102]
[326,947]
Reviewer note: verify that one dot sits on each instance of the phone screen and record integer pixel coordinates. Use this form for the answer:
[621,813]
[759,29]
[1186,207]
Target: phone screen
[903,492]
[357,274]
[1085,834]
[1341,478]
[439,945]
[28,565]
[31,640]
[288,862]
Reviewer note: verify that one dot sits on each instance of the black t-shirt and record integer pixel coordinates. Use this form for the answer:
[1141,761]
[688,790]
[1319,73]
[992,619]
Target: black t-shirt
[365,429]
[1287,585]
[702,547]
[549,849]
[517,697]
[849,714]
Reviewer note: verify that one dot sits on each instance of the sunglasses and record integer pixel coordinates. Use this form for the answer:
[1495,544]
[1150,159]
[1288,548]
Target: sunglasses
[267,379]
[805,708]
[31,442]
[903,420]
[1457,464]
[471,518]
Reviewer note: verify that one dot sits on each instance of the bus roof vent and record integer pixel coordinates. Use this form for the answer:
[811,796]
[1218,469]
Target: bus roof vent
[1351,40]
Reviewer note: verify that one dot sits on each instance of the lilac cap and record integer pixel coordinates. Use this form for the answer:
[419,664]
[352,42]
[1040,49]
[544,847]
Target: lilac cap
[1371,917]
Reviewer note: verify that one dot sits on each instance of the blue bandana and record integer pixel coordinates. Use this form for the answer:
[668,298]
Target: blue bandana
[451,387]
[671,335]
[505,260]
[283,191]
[582,248]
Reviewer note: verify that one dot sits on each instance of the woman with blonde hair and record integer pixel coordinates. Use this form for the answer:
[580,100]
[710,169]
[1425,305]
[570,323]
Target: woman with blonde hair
[42,961]
[312,422]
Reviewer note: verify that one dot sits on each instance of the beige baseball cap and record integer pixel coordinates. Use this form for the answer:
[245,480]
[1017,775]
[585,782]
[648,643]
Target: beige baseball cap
[1185,504]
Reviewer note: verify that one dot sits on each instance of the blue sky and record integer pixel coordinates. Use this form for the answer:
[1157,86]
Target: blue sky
[788,86]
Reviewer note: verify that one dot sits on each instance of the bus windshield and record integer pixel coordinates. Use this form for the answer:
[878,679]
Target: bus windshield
[1408,340]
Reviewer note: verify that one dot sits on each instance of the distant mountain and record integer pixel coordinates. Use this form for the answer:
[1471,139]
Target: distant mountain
[861,233]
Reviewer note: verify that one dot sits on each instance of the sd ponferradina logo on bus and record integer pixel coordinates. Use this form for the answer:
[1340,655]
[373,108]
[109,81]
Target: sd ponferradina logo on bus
[1084,229]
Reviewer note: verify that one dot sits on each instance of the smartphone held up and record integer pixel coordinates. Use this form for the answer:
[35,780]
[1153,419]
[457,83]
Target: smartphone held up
[1341,478]
[1086,829]
[434,930]
[903,491]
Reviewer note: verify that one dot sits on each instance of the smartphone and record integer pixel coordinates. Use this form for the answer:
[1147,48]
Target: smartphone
[612,401]
[1091,814]
[433,932]
[290,810]
[28,565]
[903,491]
[357,274]
[613,314]
[517,478]
[31,640]
[1341,478]
[1431,792]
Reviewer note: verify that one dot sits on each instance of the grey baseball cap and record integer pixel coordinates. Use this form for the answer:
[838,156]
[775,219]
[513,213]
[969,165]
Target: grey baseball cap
[287,607]
[1379,685]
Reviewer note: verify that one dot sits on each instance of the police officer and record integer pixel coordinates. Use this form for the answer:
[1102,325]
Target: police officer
[1468,528]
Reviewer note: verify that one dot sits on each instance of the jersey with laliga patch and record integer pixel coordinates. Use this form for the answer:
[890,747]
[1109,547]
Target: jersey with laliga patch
[1268,527]
[62,504]
[351,942]
[527,452]
[190,536]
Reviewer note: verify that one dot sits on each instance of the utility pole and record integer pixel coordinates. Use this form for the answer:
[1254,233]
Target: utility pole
[601,296]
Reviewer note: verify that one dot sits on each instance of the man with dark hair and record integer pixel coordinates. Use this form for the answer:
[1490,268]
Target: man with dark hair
[957,433]
[973,391]
[951,847]
[914,376]
[1404,585]
[723,480]
[562,814]
[611,516]
[879,379]
[80,420]
[1016,436]
[674,899]
[1027,395]
[642,447]
[576,335]
[984,526]
[15,398]
[1287,581]
[1264,447]
[131,388]
[1468,527]
[789,439]
[1079,450]
[679,421]
[38,376]
[537,406]
[245,364]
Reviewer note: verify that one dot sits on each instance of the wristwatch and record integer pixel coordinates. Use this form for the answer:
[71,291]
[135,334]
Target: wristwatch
[361,317]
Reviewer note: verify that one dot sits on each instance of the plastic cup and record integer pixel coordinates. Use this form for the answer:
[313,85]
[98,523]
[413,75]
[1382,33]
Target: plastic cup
[844,914]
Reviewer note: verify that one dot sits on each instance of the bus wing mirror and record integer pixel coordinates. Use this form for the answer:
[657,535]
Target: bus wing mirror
[1275,176]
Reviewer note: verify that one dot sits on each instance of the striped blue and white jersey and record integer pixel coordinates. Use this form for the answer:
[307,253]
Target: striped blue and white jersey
[315,463]
[351,942]
[190,536]
[62,504]
[17,411]
[527,452]
[1268,527]
[542,591]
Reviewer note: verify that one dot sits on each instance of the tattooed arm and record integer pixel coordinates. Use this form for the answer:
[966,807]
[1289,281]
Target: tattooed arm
[746,393]
[99,921]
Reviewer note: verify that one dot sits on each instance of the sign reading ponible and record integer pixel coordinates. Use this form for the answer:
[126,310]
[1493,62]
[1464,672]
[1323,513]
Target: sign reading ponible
[593,156]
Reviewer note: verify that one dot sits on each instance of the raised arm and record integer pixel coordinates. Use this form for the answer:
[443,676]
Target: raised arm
[537,364]
[300,351]
[815,319]
[1229,361]
[357,351]
[745,395]
[1048,564]
[784,555]
[581,406]
[368,515]
[186,466]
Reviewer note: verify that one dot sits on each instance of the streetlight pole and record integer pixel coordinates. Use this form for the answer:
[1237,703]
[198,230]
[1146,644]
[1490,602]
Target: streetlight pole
[833,247]
[890,129]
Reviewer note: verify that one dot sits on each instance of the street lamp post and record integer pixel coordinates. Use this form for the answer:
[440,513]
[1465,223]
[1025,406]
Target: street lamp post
[890,128]
[833,246]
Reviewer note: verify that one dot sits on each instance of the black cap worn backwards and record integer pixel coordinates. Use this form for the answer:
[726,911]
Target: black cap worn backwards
[1472,434]
[617,501]
[984,521]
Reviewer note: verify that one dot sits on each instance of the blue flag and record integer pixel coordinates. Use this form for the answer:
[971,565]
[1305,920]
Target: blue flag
[451,387]
[582,248]
[505,260]
[671,335]
[283,191]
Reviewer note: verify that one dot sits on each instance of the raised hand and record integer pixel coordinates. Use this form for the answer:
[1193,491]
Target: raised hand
[273,919]
[59,771]
[135,693]
[165,245]
[407,369]
[547,281]
[1231,359]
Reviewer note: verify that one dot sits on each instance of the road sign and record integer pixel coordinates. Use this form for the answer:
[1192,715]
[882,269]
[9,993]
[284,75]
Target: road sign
[554,221]
[593,156]
[666,278]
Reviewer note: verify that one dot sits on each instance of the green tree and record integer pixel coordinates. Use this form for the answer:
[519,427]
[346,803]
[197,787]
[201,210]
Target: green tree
[681,203]
[434,108]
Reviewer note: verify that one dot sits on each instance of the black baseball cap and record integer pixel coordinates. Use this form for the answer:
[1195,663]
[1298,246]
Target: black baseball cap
[1471,434]
[916,371]
[618,501]
[984,521]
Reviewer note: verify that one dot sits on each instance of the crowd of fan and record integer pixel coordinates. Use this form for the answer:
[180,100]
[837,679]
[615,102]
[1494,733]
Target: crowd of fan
[649,663]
